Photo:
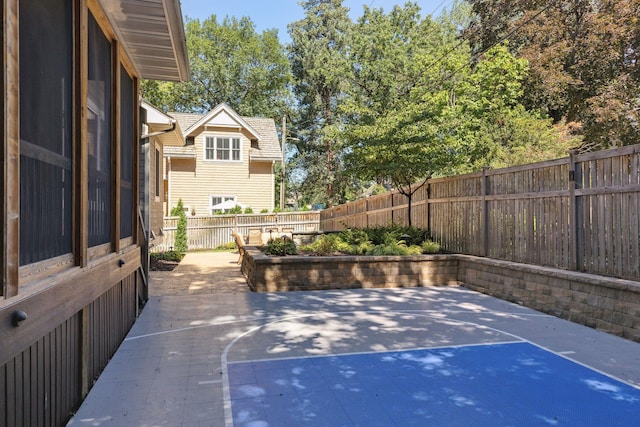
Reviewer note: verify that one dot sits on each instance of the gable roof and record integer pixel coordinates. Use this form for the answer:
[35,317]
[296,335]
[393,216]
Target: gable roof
[262,129]
[222,115]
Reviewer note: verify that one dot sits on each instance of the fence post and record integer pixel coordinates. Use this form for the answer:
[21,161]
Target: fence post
[573,214]
[428,205]
[366,213]
[484,188]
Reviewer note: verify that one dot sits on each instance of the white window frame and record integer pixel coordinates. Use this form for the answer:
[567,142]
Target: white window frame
[223,198]
[212,148]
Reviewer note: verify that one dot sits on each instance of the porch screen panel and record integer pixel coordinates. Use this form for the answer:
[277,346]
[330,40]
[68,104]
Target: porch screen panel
[99,135]
[45,129]
[126,154]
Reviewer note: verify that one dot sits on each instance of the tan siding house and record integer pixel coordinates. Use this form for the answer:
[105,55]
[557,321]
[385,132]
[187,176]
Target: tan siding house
[160,130]
[227,160]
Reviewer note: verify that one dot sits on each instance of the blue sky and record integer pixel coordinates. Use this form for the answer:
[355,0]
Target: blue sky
[268,14]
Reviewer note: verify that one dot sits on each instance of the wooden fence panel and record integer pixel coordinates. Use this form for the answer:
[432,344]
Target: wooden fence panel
[579,212]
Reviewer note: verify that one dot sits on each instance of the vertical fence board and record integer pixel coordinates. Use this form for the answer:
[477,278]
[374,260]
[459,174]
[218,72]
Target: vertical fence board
[531,213]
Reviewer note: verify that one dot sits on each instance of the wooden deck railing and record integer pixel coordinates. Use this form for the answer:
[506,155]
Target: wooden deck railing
[577,213]
[209,232]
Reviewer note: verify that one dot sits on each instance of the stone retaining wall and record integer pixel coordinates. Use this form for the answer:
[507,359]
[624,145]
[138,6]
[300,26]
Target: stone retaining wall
[608,304]
[604,303]
[298,273]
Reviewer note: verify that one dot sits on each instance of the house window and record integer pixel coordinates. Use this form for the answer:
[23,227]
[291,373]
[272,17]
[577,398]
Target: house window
[46,71]
[222,148]
[158,172]
[126,153]
[210,148]
[221,203]
[99,135]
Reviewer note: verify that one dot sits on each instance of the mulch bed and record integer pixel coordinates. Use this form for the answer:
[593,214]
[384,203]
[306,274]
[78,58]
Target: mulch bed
[157,264]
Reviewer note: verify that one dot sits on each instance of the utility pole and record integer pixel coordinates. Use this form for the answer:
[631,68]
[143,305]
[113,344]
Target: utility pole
[282,178]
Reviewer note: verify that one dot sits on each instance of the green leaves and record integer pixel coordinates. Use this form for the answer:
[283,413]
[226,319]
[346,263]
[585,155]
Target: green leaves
[230,62]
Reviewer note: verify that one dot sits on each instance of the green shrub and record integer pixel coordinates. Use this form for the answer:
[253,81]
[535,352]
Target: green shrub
[180,242]
[354,236]
[264,211]
[248,210]
[280,246]
[168,255]
[362,248]
[327,244]
[380,234]
[430,247]
[237,209]
[226,246]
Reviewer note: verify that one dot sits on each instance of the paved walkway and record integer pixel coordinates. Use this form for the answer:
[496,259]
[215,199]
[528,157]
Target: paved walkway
[207,352]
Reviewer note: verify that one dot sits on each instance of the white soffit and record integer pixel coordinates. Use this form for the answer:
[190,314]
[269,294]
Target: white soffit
[152,33]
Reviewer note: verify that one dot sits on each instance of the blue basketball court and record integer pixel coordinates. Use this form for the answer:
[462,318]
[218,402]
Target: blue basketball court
[511,384]
[484,376]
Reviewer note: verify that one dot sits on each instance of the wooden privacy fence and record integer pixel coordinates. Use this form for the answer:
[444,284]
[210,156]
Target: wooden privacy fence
[577,213]
[209,232]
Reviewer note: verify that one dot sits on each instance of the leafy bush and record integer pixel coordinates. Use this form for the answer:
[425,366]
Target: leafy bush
[248,210]
[380,234]
[280,246]
[180,242]
[430,247]
[226,246]
[327,244]
[237,209]
[395,248]
[264,211]
[168,255]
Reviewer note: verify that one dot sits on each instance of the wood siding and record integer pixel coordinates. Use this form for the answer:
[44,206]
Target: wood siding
[576,213]
[195,180]
[81,303]
[44,383]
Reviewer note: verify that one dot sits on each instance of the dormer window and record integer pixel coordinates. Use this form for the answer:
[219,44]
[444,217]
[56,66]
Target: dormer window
[222,148]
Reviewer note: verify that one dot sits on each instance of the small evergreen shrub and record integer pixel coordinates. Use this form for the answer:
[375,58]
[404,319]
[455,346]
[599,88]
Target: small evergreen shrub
[248,211]
[180,242]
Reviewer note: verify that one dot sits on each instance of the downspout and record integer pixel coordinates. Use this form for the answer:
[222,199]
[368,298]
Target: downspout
[161,132]
[168,208]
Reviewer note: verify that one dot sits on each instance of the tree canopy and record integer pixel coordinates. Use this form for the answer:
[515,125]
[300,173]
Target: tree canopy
[583,58]
[230,62]
[320,65]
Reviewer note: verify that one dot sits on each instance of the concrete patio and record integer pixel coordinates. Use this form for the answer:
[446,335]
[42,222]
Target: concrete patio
[174,367]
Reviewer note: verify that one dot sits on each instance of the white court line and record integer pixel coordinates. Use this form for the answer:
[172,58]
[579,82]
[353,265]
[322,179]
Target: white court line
[209,382]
